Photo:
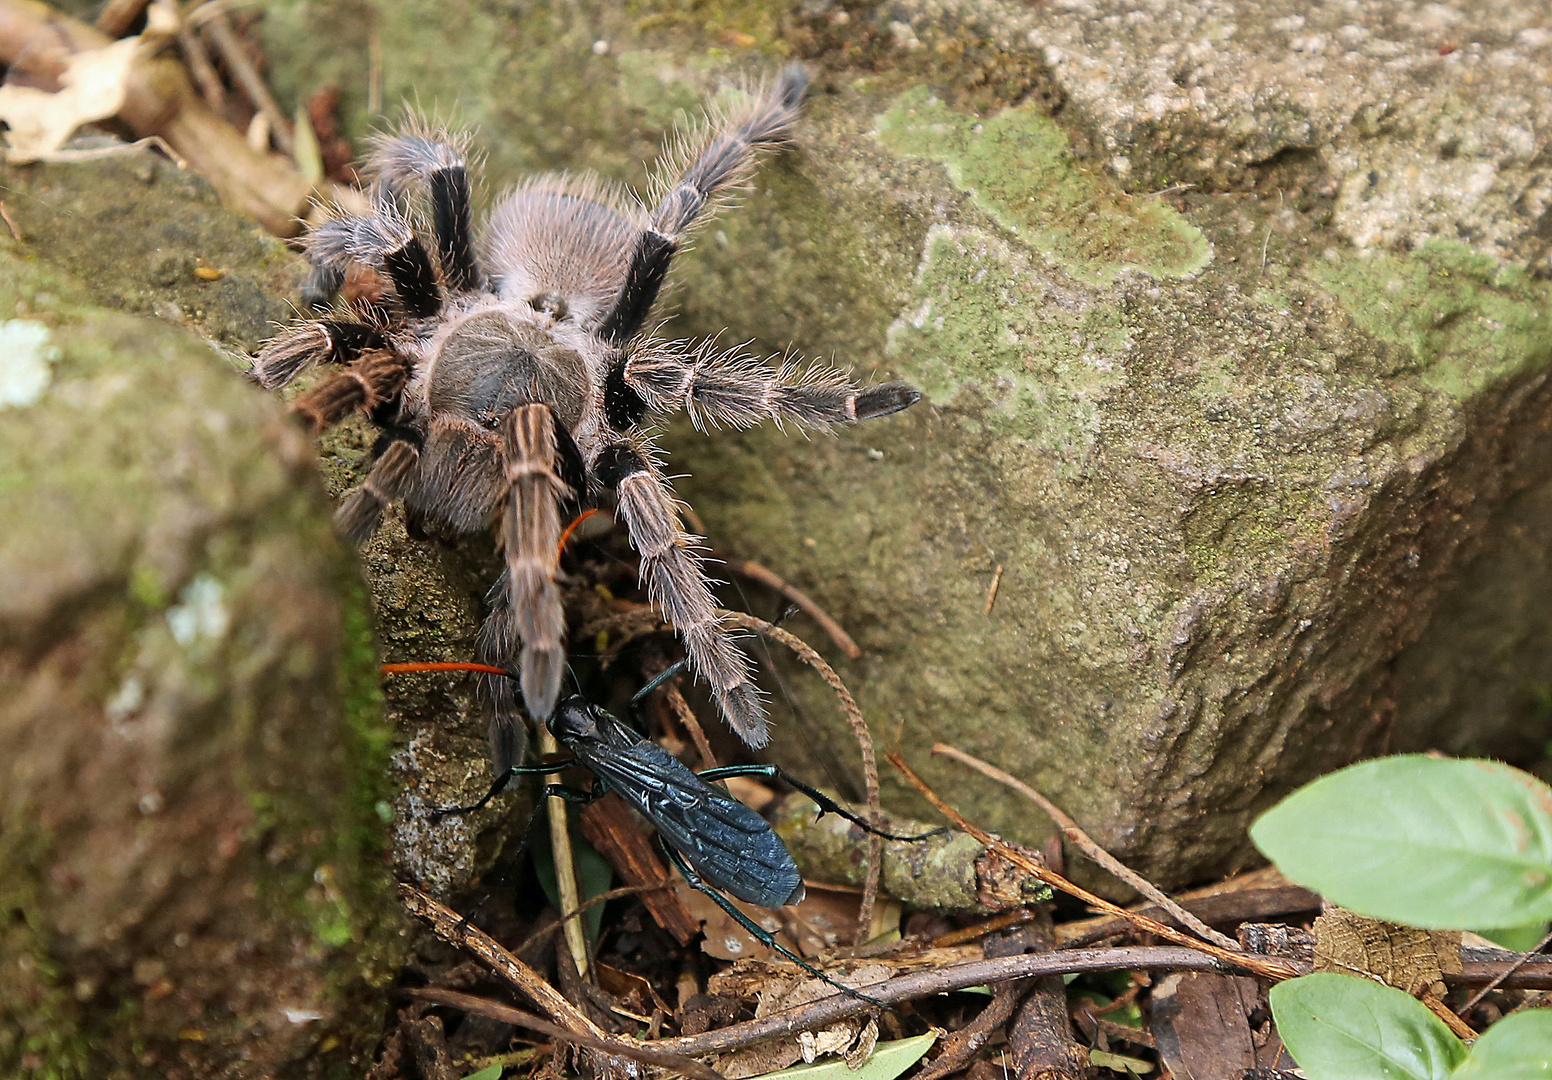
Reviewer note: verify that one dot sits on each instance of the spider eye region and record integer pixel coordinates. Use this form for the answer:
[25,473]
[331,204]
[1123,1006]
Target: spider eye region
[495,361]
[550,304]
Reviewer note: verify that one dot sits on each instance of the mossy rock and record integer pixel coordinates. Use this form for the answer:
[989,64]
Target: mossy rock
[192,822]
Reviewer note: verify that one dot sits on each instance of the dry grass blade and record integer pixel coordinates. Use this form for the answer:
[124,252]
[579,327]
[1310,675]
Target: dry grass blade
[632,1049]
[1084,843]
[859,727]
[565,866]
[1270,969]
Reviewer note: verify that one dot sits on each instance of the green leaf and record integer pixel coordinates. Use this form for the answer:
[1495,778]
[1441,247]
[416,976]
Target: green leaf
[1517,938]
[594,874]
[1119,1062]
[1518,1047]
[489,1072]
[1417,840]
[1340,1027]
[888,1061]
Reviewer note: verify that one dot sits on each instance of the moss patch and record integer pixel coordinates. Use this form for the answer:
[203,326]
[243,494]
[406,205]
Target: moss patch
[1019,167]
[1467,320]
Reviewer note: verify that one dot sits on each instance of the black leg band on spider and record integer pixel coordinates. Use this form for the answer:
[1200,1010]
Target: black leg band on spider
[413,279]
[648,267]
[449,197]
[348,340]
[827,805]
[754,929]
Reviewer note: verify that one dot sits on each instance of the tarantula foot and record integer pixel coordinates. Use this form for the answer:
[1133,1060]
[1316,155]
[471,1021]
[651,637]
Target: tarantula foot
[357,516]
[886,398]
[745,713]
[540,676]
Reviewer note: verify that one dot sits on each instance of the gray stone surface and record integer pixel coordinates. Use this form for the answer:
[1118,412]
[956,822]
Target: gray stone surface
[1233,342]
[191,819]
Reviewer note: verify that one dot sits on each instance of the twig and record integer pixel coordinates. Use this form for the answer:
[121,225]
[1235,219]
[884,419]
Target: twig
[10,223]
[1082,841]
[943,980]
[1510,970]
[859,727]
[991,592]
[246,76]
[119,15]
[565,866]
[199,65]
[687,718]
[755,572]
[1270,969]
[452,928]
[602,898]
[633,1049]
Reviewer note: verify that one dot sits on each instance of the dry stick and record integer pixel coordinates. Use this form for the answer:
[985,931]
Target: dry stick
[119,15]
[1081,840]
[1510,970]
[565,866]
[943,980]
[767,577]
[1269,969]
[452,928]
[859,727]
[687,718]
[991,593]
[602,898]
[497,1010]
[199,65]
[224,38]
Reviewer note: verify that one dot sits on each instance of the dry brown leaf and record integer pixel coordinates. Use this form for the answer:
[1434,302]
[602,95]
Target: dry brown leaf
[92,87]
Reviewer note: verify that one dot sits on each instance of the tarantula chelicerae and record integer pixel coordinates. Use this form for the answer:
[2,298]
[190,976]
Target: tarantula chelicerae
[513,382]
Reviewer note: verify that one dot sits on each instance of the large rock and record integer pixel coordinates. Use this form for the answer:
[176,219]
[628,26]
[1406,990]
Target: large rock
[1230,449]
[191,818]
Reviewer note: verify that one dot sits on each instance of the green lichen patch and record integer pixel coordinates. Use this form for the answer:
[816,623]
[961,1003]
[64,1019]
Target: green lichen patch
[987,330]
[1466,320]
[1019,167]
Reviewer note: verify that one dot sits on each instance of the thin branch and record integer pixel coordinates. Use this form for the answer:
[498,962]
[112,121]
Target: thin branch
[942,980]
[991,592]
[1270,969]
[808,605]
[565,865]
[1084,843]
[119,15]
[452,928]
[633,1049]
[1510,970]
[199,65]
[859,727]
[688,720]
[246,76]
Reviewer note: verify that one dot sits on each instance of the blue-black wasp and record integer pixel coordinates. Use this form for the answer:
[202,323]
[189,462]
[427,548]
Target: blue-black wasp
[714,840]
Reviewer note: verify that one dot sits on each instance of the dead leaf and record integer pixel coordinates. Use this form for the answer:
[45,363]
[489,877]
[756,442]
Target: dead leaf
[92,87]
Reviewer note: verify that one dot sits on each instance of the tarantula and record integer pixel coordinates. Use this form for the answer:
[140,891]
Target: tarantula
[513,382]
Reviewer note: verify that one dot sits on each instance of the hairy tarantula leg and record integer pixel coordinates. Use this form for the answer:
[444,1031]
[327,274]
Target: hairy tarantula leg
[724,161]
[358,515]
[494,645]
[733,388]
[377,377]
[530,534]
[299,347]
[676,582]
[385,241]
[436,162]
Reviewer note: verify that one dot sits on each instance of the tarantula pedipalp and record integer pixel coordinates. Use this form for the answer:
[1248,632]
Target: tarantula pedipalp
[515,381]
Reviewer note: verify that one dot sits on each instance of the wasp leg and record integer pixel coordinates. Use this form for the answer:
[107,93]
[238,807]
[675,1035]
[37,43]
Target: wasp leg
[500,783]
[827,805]
[755,930]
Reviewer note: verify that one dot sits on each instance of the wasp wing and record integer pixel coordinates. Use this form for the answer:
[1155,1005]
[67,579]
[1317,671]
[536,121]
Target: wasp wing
[728,844]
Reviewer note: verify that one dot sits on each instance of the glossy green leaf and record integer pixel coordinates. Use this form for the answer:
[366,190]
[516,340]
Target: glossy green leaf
[1341,1027]
[888,1061]
[1518,1047]
[1444,844]
[594,874]
[489,1072]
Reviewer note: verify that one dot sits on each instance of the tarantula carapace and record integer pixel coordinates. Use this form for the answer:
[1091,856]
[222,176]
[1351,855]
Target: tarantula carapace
[513,382]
